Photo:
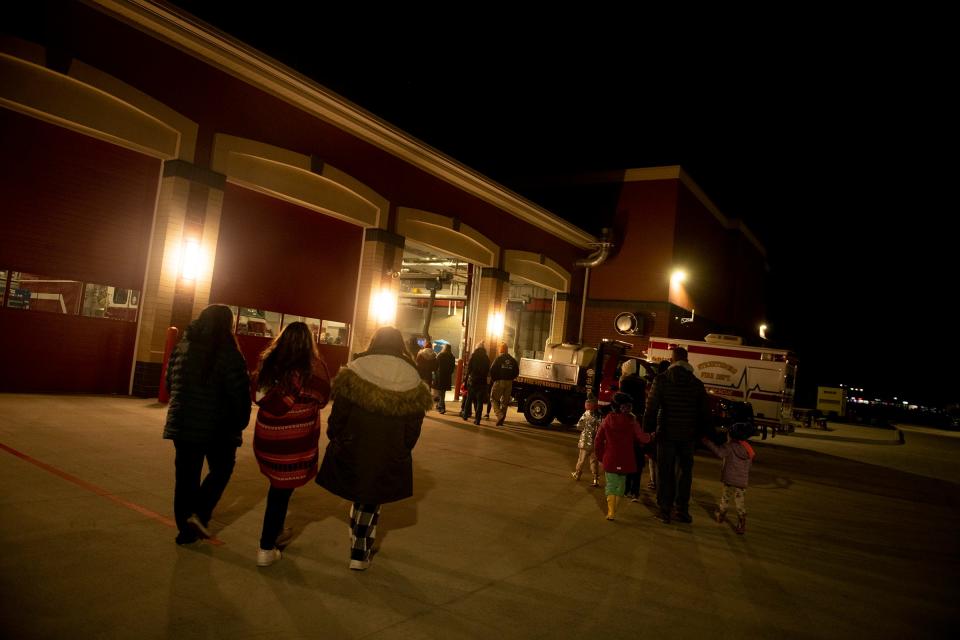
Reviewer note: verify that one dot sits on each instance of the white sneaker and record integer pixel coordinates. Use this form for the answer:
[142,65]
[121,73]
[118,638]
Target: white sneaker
[201,529]
[266,557]
[359,565]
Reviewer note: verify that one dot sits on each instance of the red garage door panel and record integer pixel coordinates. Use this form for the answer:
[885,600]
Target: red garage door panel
[53,353]
[276,256]
[74,208]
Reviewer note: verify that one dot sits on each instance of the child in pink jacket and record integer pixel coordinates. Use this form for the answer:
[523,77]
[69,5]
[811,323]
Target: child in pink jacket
[737,456]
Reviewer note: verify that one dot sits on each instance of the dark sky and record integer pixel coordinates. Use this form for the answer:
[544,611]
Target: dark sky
[830,138]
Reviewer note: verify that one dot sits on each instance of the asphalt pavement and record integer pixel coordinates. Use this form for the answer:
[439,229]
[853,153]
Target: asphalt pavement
[850,533]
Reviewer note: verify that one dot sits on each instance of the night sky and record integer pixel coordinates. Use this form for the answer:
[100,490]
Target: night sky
[830,140]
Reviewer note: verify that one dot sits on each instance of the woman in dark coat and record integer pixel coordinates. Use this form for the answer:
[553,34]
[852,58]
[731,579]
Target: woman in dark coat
[209,408]
[379,402]
[443,377]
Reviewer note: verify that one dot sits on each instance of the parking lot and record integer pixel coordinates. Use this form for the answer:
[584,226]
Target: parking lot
[850,534]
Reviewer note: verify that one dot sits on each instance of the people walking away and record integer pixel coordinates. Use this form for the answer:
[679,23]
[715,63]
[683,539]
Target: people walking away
[503,371]
[614,448]
[650,450]
[737,456]
[427,362]
[588,424]
[634,386]
[478,368]
[678,410]
[443,376]
[209,409]
[379,403]
[292,385]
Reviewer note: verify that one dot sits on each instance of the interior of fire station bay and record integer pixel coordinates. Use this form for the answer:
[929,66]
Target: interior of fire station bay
[137,194]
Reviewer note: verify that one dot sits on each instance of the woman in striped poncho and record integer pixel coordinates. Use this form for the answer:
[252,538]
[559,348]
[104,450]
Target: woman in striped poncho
[295,385]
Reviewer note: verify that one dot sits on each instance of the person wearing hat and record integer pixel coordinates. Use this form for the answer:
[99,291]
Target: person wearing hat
[614,448]
[503,371]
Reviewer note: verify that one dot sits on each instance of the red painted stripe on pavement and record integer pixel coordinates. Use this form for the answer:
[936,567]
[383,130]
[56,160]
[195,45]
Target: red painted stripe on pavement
[100,491]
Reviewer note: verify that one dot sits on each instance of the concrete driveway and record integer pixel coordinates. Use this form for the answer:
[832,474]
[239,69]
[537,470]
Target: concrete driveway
[854,538]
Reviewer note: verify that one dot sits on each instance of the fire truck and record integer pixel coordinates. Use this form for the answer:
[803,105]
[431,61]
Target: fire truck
[762,376]
[557,386]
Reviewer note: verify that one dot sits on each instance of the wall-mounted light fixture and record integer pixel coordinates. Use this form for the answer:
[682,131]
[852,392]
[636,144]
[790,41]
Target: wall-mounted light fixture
[191,262]
[678,277]
[763,331]
[495,324]
[384,307]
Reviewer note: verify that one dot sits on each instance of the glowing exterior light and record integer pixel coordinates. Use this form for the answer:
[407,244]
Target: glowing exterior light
[384,307]
[191,260]
[763,333]
[496,324]
[678,277]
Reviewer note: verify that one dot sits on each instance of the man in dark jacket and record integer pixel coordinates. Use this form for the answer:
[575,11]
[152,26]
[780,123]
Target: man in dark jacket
[478,368]
[679,411]
[502,373]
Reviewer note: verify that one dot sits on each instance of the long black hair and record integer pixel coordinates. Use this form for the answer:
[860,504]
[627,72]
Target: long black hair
[209,333]
[293,351]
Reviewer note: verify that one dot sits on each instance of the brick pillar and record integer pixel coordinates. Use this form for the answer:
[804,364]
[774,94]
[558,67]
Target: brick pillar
[188,206]
[558,328]
[382,257]
[492,293]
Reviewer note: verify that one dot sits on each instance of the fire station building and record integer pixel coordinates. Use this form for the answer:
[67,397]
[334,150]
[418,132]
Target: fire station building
[152,166]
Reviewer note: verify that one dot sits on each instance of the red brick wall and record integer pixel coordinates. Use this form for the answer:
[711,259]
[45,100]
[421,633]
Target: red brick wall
[598,322]
[639,268]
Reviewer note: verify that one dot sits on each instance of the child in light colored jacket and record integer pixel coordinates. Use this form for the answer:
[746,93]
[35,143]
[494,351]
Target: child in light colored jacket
[737,456]
[588,424]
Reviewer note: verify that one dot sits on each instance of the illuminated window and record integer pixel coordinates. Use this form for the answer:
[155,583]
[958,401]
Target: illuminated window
[33,292]
[257,322]
[114,303]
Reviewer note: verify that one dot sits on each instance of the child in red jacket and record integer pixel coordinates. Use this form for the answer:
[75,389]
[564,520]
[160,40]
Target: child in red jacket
[614,448]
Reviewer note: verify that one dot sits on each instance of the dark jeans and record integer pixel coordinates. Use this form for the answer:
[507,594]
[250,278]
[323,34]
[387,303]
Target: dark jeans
[274,516]
[674,475]
[190,496]
[479,395]
[633,479]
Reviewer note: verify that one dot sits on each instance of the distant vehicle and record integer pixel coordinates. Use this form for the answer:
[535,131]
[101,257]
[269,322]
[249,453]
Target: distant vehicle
[761,376]
[557,385]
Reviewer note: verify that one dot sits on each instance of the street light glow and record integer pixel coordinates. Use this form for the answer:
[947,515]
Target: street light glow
[678,277]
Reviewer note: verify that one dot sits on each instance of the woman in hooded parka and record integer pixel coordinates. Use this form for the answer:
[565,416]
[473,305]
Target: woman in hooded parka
[379,403]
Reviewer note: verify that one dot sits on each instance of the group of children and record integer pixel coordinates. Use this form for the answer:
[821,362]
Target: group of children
[611,442]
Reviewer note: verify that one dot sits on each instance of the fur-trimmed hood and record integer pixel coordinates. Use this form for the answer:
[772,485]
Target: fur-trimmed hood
[383,384]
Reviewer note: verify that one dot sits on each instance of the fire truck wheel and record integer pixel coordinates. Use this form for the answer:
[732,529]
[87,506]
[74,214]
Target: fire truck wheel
[539,410]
